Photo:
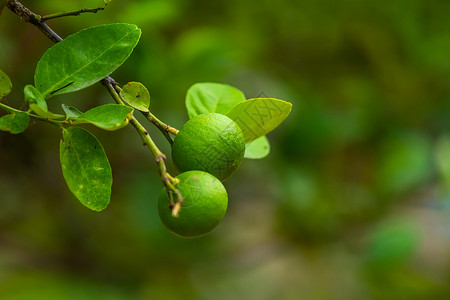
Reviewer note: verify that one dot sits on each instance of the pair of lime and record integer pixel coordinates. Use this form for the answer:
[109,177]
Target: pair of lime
[207,149]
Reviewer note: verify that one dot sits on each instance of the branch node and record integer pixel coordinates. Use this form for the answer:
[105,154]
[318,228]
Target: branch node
[160,158]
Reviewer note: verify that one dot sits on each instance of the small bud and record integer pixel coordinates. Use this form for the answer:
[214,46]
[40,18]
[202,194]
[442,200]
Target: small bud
[176,210]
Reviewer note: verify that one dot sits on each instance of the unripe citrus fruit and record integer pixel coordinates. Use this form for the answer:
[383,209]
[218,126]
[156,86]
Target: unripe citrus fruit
[209,142]
[204,206]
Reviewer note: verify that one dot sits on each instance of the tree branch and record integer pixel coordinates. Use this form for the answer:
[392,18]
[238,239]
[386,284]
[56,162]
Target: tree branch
[28,16]
[168,181]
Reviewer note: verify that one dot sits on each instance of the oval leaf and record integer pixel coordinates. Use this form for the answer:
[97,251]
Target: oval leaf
[107,117]
[208,97]
[136,95]
[15,122]
[37,103]
[85,58]
[86,168]
[257,149]
[5,84]
[259,116]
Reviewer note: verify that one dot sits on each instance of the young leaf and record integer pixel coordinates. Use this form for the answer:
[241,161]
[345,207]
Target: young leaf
[259,116]
[257,149]
[5,84]
[107,117]
[37,103]
[210,97]
[136,95]
[15,122]
[85,168]
[84,58]
[72,113]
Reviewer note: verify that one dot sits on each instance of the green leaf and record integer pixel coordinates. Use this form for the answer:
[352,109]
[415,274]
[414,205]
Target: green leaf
[15,122]
[210,97]
[72,113]
[85,58]
[107,117]
[257,149]
[85,168]
[34,97]
[136,95]
[5,84]
[37,103]
[259,116]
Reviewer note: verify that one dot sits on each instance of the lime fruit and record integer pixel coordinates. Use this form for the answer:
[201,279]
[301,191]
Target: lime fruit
[209,142]
[204,206]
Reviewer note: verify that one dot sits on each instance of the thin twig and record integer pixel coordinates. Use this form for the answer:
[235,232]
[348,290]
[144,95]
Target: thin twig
[164,128]
[161,128]
[13,111]
[167,128]
[73,13]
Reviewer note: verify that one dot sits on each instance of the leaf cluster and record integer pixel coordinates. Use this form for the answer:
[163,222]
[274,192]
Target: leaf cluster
[88,57]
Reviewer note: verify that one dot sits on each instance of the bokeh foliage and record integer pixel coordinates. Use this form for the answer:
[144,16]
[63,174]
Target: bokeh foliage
[352,203]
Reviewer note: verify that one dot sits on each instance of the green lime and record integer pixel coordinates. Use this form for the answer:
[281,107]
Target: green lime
[204,206]
[209,142]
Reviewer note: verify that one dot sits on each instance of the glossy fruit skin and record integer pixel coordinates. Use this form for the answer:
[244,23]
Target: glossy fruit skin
[204,206]
[209,142]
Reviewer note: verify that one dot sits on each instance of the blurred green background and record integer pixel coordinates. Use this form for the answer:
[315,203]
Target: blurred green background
[352,203]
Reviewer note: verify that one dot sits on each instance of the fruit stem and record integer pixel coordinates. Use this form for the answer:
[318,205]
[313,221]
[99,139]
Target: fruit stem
[168,181]
[165,129]
[152,118]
